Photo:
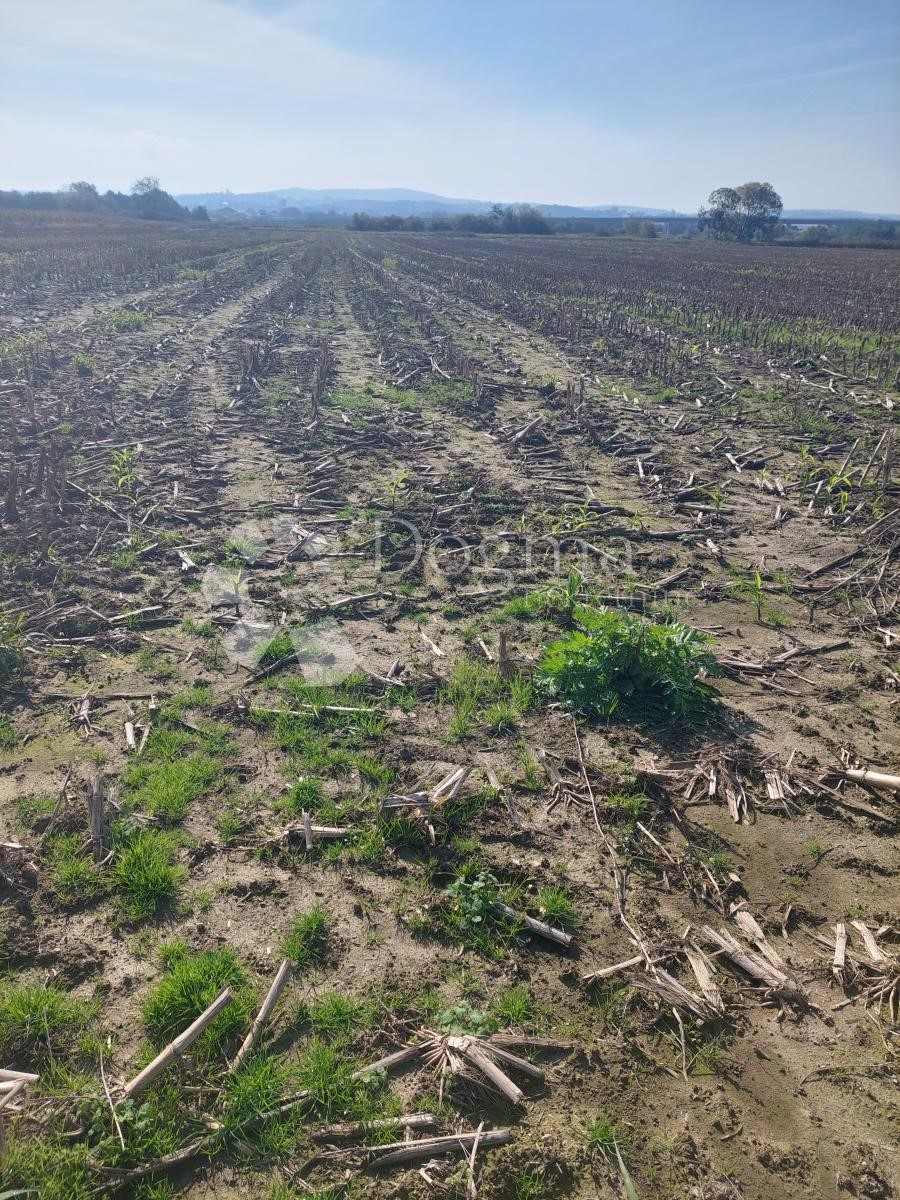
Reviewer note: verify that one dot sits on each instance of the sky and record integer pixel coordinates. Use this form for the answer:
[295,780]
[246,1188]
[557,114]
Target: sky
[640,102]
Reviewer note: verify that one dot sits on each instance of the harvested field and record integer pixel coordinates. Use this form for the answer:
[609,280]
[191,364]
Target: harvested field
[500,632]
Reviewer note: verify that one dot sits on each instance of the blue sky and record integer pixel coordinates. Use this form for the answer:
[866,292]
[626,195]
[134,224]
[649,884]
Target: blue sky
[650,102]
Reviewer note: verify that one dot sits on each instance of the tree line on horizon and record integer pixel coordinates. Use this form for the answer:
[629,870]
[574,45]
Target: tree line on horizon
[750,212]
[146,200]
[519,218]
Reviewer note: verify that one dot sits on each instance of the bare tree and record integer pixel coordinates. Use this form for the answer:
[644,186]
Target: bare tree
[145,185]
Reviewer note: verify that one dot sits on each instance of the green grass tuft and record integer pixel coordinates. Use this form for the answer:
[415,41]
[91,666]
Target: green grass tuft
[167,789]
[610,1002]
[122,320]
[144,875]
[33,810]
[479,695]
[335,1015]
[48,1167]
[326,1074]
[556,908]
[37,1020]
[601,1135]
[255,1089]
[9,739]
[306,941]
[628,805]
[514,1006]
[10,646]
[74,876]
[306,794]
[190,984]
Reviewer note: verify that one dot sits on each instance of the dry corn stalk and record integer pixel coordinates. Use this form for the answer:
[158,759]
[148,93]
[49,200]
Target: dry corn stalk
[477,1059]
[776,981]
[422,803]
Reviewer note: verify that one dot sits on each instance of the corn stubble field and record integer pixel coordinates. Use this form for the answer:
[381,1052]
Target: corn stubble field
[543,864]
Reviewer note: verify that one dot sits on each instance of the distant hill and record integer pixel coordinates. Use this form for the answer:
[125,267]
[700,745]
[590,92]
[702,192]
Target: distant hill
[835,214]
[401,202]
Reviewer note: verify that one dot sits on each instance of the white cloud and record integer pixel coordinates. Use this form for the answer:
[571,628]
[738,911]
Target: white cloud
[203,42]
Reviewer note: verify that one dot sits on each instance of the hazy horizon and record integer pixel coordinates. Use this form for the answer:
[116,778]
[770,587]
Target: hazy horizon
[576,103]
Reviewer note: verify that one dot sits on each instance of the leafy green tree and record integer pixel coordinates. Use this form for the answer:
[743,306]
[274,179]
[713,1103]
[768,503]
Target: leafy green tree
[744,214]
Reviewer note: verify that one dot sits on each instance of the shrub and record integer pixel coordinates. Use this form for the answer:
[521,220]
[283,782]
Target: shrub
[474,901]
[463,1019]
[620,663]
